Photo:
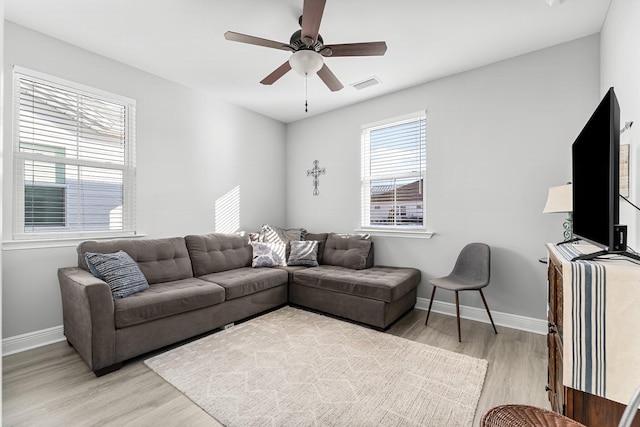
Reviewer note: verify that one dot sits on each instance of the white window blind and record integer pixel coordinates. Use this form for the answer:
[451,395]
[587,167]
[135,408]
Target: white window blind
[74,159]
[393,166]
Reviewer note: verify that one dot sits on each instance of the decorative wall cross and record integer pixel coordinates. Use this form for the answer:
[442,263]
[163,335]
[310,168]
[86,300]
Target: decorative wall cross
[315,173]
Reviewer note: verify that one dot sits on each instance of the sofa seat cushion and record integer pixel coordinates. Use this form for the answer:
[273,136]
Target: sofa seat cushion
[290,269]
[166,299]
[379,283]
[246,281]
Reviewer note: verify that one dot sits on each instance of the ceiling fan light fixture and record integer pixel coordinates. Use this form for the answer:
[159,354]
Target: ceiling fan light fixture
[305,62]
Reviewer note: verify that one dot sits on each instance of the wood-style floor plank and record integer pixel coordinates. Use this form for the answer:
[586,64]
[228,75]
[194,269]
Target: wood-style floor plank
[517,370]
[52,386]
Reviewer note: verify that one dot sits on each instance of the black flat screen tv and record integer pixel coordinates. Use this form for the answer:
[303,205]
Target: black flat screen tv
[596,181]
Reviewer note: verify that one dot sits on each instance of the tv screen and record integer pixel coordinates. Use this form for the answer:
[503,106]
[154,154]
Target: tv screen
[595,161]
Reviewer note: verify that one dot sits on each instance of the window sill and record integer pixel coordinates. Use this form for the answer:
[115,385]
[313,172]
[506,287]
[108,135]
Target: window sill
[59,242]
[413,234]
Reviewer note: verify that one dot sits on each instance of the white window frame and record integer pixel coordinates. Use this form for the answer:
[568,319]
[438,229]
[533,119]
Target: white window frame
[366,178]
[128,168]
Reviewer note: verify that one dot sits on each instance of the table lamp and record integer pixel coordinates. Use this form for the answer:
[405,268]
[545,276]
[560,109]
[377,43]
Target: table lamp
[560,199]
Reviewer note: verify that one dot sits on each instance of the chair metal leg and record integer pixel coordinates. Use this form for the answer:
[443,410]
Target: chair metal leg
[458,316]
[488,312]
[430,304]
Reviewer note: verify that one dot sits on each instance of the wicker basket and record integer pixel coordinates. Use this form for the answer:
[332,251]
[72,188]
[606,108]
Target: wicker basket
[525,416]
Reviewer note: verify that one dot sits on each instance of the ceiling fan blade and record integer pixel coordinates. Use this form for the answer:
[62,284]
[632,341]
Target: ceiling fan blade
[243,38]
[329,78]
[277,73]
[311,17]
[356,49]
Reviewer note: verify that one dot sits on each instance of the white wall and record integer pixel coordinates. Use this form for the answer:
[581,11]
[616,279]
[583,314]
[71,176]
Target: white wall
[620,68]
[192,149]
[2,94]
[498,137]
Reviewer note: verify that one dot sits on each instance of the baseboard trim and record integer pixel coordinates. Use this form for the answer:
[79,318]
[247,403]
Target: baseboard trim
[28,341]
[24,342]
[514,321]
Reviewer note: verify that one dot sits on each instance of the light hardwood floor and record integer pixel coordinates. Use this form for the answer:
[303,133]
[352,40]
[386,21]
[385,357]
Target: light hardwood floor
[52,386]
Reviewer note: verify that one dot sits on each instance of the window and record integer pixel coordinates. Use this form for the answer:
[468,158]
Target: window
[45,199]
[74,159]
[393,169]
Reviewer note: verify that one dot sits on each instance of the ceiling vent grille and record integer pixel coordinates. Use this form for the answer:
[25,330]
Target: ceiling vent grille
[371,81]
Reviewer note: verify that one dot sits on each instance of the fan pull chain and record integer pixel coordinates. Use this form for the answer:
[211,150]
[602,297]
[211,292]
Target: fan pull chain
[306,80]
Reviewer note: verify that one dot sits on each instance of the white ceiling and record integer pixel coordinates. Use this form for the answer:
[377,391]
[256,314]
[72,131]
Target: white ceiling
[182,40]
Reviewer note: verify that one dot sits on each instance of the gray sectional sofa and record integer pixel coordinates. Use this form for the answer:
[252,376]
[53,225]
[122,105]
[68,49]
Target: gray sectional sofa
[203,282]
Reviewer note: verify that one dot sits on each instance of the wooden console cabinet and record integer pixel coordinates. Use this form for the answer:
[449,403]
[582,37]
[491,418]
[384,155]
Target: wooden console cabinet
[584,407]
[555,389]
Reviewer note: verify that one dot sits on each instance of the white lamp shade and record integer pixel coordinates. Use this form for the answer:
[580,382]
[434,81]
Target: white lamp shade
[559,199]
[306,62]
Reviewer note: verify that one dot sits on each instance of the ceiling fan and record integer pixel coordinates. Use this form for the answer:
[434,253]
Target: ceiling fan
[309,49]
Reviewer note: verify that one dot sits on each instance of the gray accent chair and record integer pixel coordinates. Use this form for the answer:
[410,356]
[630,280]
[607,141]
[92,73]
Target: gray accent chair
[472,271]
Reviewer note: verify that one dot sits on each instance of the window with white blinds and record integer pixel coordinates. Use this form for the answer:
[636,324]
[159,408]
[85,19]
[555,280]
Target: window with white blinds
[393,171]
[74,159]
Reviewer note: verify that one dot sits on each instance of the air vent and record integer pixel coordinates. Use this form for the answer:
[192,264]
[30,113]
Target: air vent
[371,81]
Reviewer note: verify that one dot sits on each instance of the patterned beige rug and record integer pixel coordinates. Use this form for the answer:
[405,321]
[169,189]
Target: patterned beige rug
[295,368]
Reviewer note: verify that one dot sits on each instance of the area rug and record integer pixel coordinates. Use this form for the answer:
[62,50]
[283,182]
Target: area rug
[291,367]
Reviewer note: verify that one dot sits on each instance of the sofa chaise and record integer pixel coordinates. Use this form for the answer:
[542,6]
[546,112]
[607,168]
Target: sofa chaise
[199,283]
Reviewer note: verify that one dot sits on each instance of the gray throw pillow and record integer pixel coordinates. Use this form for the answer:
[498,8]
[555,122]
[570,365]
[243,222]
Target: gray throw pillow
[119,270]
[303,253]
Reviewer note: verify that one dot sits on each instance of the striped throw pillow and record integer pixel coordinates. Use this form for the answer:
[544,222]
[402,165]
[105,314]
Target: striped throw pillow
[119,270]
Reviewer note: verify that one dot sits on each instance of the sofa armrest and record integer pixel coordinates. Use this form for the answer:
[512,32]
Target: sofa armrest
[88,314]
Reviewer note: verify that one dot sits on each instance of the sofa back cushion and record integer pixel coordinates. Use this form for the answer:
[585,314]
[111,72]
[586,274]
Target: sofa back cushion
[217,252]
[348,250]
[160,260]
